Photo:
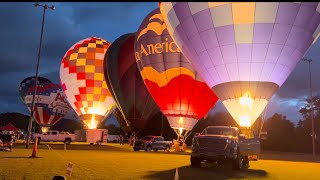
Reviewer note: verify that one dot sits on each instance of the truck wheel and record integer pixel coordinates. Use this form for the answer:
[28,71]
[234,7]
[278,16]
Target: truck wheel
[148,148]
[245,162]
[167,149]
[237,163]
[67,141]
[195,162]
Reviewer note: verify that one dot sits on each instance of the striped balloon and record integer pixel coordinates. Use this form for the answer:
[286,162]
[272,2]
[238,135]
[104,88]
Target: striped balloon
[244,50]
[28,82]
[50,103]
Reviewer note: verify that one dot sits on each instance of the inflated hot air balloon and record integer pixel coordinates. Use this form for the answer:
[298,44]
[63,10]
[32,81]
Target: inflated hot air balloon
[28,82]
[244,50]
[171,80]
[82,80]
[50,104]
[126,85]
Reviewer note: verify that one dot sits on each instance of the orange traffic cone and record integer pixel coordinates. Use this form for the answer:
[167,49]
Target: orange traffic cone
[35,148]
[176,176]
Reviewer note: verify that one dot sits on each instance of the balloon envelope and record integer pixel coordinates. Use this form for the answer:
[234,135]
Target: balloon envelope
[50,103]
[171,80]
[28,82]
[82,80]
[244,51]
[128,89]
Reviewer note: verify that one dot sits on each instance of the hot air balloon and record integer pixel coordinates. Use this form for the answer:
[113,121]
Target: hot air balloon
[244,50]
[171,80]
[50,104]
[28,82]
[126,85]
[82,80]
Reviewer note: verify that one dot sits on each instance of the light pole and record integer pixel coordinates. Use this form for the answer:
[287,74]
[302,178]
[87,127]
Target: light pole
[311,101]
[45,7]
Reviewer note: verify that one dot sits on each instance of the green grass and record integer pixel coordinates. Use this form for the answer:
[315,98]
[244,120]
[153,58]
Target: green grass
[113,161]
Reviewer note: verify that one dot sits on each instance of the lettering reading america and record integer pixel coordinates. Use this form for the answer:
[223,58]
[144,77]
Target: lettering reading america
[156,49]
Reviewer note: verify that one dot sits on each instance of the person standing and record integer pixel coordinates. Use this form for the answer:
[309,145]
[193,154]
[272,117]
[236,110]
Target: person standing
[133,139]
[121,139]
[181,141]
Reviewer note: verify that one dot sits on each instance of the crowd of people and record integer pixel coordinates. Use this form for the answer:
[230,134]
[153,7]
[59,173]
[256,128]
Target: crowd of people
[132,139]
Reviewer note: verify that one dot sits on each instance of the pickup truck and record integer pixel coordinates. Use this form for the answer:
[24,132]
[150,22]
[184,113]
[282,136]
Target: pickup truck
[149,143]
[223,144]
[55,136]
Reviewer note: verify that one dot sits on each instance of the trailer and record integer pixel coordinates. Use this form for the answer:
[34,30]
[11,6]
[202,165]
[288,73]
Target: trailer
[93,136]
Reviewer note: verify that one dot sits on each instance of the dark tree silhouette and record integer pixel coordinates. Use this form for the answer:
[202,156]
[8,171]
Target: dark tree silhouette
[281,133]
[67,125]
[17,119]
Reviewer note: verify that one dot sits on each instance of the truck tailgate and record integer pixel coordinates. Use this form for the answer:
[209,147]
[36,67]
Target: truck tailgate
[249,147]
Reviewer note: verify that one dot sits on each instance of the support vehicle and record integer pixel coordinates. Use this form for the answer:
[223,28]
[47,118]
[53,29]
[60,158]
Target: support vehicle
[93,136]
[149,143]
[222,144]
[54,136]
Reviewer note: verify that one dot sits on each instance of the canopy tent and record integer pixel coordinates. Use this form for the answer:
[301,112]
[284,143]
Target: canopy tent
[9,127]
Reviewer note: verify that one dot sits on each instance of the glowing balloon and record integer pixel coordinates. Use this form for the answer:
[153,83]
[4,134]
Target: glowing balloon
[50,103]
[244,50]
[82,80]
[171,80]
[28,82]
[128,89]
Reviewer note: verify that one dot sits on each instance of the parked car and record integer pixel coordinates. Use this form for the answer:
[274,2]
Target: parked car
[223,144]
[6,142]
[149,143]
[55,136]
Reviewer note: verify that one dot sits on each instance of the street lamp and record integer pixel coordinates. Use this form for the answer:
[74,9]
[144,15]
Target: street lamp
[45,7]
[311,101]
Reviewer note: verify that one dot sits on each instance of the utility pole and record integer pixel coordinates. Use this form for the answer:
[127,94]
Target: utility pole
[312,114]
[45,7]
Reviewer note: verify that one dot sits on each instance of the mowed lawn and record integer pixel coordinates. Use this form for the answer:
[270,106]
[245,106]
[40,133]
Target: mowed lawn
[112,161]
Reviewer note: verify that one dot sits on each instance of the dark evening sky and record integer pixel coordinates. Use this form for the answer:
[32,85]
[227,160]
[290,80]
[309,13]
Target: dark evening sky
[20,32]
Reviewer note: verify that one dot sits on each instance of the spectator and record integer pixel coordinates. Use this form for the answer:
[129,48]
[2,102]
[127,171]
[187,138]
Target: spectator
[133,139]
[181,143]
[121,139]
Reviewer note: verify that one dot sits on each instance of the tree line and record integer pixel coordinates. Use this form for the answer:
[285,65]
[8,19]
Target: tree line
[282,134]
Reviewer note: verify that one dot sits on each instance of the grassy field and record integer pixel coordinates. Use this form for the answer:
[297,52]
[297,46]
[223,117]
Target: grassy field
[113,161]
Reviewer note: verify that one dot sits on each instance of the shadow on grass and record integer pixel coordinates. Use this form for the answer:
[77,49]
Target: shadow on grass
[75,146]
[18,157]
[208,172]
[163,152]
